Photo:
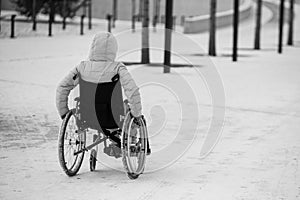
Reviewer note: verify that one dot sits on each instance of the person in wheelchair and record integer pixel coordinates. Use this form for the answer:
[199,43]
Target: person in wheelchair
[100,67]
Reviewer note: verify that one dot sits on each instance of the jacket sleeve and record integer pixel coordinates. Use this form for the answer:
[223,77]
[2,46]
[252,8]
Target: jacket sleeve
[131,90]
[63,90]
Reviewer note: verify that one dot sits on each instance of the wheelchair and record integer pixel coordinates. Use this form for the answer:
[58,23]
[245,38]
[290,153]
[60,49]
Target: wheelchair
[100,107]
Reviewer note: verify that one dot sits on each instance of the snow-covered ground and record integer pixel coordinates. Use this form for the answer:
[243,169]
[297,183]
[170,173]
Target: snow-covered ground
[256,157]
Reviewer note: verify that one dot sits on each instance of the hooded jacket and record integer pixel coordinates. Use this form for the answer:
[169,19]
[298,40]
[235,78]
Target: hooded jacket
[100,67]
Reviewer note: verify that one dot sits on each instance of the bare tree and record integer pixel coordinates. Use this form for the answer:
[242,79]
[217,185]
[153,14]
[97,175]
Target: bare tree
[212,29]
[145,33]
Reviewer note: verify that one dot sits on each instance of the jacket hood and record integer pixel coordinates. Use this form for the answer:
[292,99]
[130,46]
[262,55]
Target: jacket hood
[103,48]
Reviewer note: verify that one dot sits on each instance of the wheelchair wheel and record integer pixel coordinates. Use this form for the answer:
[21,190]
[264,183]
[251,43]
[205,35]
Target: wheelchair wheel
[93,160]
[134,146]
[70,141]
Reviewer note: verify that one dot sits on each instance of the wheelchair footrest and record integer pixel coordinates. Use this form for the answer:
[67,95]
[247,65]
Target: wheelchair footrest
[113,150]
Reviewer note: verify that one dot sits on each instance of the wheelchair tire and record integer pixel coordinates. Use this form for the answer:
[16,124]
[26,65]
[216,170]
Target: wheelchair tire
[69,141]
[93,160]
[134,159]
[132,175]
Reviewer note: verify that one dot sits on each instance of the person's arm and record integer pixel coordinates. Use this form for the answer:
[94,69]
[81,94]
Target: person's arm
[63,90]
[131,90]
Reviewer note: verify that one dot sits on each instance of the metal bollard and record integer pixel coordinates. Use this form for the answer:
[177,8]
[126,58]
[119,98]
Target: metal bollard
[108,17]
[34,24]
[50,26]
[154,22]
[12,19]
[162,19]
[133,23]
[113,20]
[182,20]
[139,18]
[64,23]
[174,23]
[82,24]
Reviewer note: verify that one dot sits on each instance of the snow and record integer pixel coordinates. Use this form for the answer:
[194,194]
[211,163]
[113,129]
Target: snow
[256,157]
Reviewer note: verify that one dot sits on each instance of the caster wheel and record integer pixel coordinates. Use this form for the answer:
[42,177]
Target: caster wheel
[93,160]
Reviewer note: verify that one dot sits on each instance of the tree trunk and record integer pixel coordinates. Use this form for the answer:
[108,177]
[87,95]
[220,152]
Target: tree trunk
[52,11]
[115,12]
[145,34]
[51,18]
[90,14]
[291,23]
[258,25]
[281,23]
[34,15]
[235,30]
[156,6]
[168,35]
[212,29]
[141,4]
[64,14]
[133,2]
[84,8]
[0,13]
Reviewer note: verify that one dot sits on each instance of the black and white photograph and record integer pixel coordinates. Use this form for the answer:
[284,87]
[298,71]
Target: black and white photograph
[150,99]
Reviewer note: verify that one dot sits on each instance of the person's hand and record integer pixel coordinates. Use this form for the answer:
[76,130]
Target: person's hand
[137,120]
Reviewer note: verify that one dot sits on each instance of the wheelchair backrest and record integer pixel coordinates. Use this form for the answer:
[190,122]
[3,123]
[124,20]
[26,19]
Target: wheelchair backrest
[101,104]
